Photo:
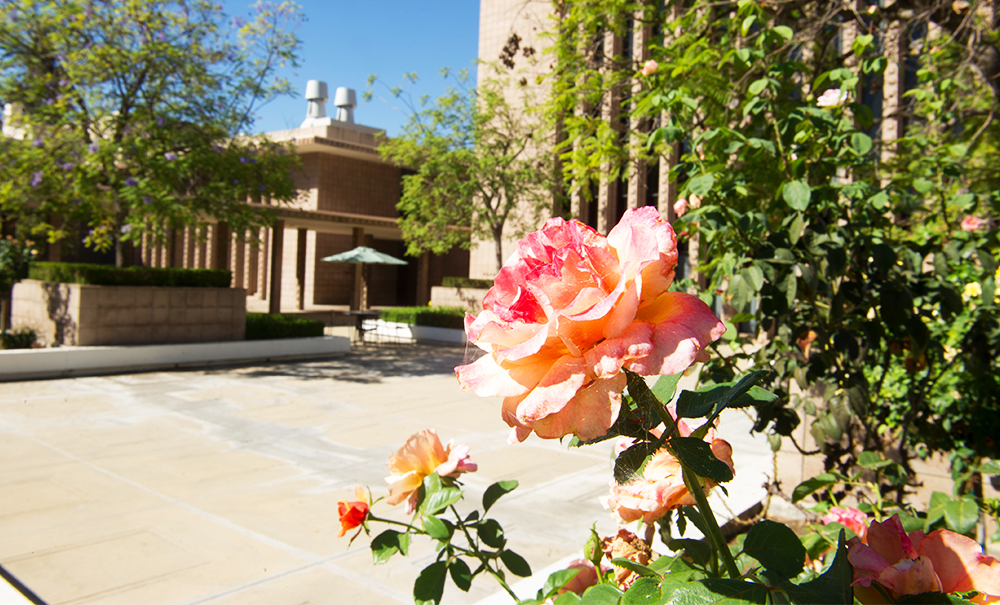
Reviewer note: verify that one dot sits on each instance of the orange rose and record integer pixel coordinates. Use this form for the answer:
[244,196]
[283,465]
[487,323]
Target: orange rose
[353,514]
[421,455]
[569,310]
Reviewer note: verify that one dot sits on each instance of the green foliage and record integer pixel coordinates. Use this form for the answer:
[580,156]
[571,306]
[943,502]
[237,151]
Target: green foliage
[441,317]
[873,294]
[15,258]
[108,275]
[481,167]
[452,281]
[265,326]
[129,117]
[24,338]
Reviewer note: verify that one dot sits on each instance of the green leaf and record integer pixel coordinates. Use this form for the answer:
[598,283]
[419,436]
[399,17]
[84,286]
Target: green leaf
[961,515]
[743,54]
[713,592]
[387,544]
[879,201]
[797,194]
[796,228]
[701,402]
[935,509]
[757,86]
[632,566]
[629,464]
[776,547]
[666,387]
[429,585]
[643,591]
[491,533]
[784,31]
[747,24]
[496,491]
[754,276]
[922,185]
[557,580]
[440,500]
[931,598]
[861,143]
[439,529]
[701,185]
[698,550]
[697,455]
[990,467]
[602,594]
[814,484]
[461,575]
[965,201]
[515,563]
[567,598]
[834,586]
[872,461]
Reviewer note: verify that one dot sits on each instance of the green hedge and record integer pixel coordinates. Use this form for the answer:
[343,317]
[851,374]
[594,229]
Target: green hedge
[18,339]
[264,326]
[107,275]
[439,317]
[466,282]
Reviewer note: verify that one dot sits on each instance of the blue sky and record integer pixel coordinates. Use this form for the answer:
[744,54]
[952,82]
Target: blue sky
[343,42]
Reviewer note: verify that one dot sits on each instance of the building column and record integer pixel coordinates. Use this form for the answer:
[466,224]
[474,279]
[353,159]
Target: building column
[607,191]
[637,177]
[424,279]
[892,90]
[277,247]
[221,247]
[360,296]
[300,268]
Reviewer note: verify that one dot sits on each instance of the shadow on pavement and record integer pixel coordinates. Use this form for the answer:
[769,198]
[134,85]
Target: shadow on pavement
[368,364]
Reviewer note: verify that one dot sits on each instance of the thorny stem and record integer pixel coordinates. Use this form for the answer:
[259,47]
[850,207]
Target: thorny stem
[479,555]
[693,482]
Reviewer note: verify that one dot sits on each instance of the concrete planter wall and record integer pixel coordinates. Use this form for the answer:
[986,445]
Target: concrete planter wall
[471,299]
[85,315]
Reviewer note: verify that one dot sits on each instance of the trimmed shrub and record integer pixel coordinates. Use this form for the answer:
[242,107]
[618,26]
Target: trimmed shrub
[18,339]
[108,275]
[438,317]
[265,326]
[466,282]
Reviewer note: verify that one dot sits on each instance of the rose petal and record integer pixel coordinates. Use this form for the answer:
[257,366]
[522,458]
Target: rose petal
[588,415]
[960,563]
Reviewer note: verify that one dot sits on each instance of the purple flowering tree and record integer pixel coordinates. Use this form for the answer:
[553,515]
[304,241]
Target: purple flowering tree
[129,114]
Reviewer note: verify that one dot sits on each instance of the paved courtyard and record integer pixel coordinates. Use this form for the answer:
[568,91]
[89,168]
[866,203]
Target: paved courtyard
[220,486]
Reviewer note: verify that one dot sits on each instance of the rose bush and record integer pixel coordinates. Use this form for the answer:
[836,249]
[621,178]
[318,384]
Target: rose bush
[569,310]
[420,456]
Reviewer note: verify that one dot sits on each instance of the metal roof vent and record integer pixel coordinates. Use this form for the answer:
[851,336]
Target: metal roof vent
[345,101]
[316,112]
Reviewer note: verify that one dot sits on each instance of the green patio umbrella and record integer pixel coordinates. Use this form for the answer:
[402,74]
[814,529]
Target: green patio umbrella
[363,255]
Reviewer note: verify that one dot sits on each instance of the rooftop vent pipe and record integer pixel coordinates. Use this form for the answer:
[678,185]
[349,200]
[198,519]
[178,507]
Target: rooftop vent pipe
[345,101]
[316,112]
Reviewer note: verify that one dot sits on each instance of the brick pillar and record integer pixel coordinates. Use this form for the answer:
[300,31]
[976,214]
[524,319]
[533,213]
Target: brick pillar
[637,167]
[221,246]
[424,279]
[238,259]
[300,268]
[607,191]
[892,90]
[277,247]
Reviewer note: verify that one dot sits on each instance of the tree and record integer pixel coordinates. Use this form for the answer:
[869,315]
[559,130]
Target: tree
[479,162]
[127,116]
[15,257]
[867,262]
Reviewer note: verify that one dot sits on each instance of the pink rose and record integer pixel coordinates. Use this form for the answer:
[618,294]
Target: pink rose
[661,487]
[571,308]
[851,518]
[913,563]
[421,455]
[680,207]
[583,580]
[649,68]
[972,223]
[832,98]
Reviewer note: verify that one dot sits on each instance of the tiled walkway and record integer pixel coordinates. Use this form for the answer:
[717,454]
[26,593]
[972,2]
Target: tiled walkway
[221,486]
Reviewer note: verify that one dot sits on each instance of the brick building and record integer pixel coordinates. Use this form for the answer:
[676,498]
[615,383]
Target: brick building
[347,198]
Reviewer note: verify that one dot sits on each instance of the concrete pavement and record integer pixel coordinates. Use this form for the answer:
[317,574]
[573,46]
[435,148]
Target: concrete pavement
[220,486]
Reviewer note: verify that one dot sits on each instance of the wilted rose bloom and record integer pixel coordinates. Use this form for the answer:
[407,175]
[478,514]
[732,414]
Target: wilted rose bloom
[851,518]
[972,223]
[649,68]
[571,308]
[941,561]
[583,580]
[661,487]
[681,207]
[422,455]
[353,514]
[832,98]
[627,545]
